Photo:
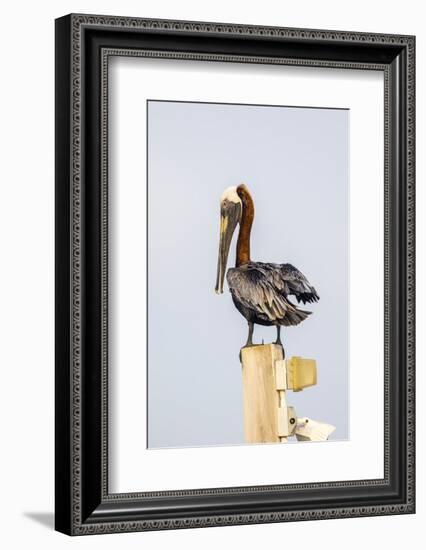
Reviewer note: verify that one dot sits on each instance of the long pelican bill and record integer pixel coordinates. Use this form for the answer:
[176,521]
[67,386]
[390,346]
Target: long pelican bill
[229,217]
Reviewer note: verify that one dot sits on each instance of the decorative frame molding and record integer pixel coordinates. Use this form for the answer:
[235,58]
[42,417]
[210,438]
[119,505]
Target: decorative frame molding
[84,44]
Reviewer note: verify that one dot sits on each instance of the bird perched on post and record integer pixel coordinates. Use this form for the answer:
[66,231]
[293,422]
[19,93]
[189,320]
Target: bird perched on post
[260,291]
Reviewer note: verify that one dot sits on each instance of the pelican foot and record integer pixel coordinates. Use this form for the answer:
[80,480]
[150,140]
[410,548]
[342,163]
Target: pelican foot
[279,343]
[278,340]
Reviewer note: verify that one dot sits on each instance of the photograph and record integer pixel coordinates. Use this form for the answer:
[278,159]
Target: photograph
[248,255]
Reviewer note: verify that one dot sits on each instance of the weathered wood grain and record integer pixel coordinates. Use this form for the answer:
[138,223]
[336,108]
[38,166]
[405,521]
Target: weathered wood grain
[260,395]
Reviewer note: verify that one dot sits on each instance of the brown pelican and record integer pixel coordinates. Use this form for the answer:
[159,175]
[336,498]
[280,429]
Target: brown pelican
[260,291]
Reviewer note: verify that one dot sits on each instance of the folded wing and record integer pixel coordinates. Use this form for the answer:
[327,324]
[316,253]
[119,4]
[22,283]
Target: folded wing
[297,284]
[263,288]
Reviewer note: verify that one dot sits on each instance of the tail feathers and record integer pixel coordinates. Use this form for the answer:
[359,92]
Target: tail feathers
[294,316]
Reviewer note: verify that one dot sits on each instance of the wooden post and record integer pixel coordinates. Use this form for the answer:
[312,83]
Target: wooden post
[260,396]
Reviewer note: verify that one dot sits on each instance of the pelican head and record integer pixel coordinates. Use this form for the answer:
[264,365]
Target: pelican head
[230,216]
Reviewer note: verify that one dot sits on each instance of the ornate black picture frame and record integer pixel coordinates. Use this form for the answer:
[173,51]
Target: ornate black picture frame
[83,45]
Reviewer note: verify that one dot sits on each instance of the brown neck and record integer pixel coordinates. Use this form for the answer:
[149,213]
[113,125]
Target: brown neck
[243,243]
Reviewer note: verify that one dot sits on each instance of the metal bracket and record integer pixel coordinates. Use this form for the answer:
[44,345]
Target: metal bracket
[296,374]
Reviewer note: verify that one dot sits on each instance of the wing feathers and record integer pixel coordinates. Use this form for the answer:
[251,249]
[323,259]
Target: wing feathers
[298,284]
[264,288]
